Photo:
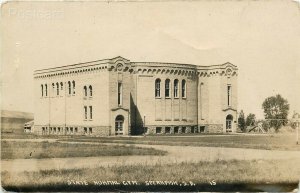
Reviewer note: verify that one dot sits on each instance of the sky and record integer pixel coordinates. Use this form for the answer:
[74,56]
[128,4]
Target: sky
[262,38]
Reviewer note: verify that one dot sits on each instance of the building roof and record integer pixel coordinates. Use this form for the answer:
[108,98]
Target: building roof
[106,62]
[296,116]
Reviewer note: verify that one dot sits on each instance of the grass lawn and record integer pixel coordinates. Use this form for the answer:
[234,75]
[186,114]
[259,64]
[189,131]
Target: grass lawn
[222,172]
[262,141]
[27,150]
[269,142]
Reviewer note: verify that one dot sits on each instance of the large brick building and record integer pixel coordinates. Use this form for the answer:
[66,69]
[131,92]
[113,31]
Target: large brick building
[119,97]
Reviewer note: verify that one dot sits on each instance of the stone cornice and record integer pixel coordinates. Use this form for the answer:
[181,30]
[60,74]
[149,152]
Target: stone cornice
[71,71]
[122,64]
[120,108]
[229,108]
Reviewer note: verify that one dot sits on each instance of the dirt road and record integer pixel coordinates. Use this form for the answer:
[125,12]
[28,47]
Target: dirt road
[176,154]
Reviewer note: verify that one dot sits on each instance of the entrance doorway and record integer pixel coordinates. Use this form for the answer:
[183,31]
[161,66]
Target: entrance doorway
[229,119]
[119,125]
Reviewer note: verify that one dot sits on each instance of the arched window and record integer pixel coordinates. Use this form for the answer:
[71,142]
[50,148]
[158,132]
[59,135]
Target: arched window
[69,86]
[57,88]
[85,91]
[42,89]
[176,88]
[91,91]
[157,87]
[53,89]
[46,90]
[167,88]
[73,86]
[61,86]
[183,88]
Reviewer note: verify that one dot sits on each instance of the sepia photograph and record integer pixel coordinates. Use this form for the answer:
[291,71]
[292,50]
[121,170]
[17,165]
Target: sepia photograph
[150,96]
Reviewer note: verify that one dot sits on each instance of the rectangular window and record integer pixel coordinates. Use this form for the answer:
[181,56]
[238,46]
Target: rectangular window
[91,90]
[73,82]
[76,129]
[176,129]
[201,101]
[228,95]
[119,93]
[202,129]
[90,130]
[85,112]
[46,90]
[91,112]
[158,129]
[183,86]
[85,130]
[168,130]
[57,89]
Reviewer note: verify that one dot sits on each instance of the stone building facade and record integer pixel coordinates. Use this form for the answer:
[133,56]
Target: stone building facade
[119,97]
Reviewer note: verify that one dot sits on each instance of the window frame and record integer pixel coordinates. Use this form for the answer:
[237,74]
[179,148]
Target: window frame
[183,88]
[46,90]
[69,88]
[84,91]
[157,88]
[91,112]
[57,89]
[176,89]
[85,112]
[73,86]
[53,89]
[168,90]
[120,93]
[42,89]
[229,95]
[90,91]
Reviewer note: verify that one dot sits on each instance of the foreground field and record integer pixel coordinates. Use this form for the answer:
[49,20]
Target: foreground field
[252,141]
[285,141]
[27,150]
[204,162]
[219,172]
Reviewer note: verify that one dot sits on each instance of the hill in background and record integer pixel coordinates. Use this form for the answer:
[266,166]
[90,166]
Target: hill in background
[13,121]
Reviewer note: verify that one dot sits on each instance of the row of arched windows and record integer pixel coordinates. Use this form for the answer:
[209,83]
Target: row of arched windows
[57,88]
[88,90]
[167,85]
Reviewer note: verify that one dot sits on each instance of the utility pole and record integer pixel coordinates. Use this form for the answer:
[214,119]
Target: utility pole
[296,120]
[297,123]
[144,125]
